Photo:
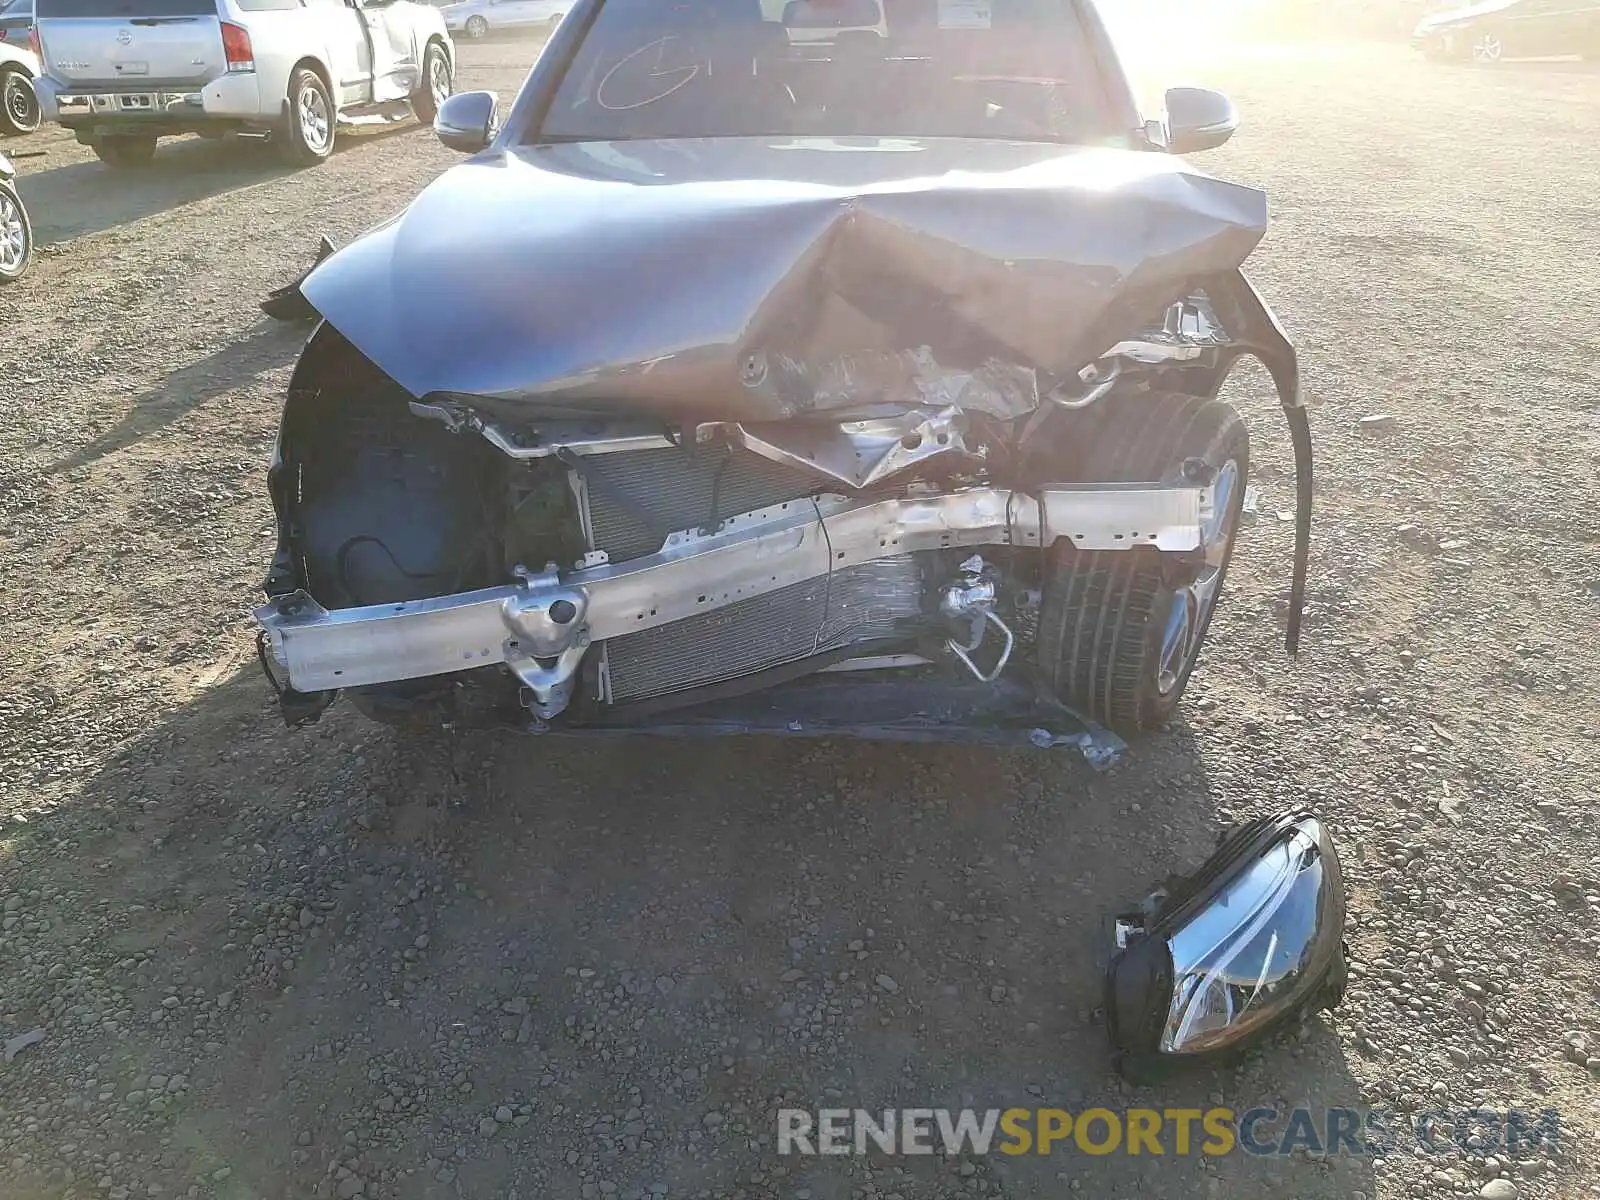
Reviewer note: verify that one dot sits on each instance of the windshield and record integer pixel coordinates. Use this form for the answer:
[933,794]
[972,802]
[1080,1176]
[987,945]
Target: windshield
[1001,69]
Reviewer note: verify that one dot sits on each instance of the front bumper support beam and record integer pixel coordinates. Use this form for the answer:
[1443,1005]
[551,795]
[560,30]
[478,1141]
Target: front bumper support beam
[550,615]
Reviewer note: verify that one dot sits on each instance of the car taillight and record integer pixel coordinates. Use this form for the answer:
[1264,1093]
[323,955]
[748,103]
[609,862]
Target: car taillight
[35,44]
[236,48]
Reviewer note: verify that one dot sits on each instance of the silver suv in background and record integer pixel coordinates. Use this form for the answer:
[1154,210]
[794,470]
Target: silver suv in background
[122,73]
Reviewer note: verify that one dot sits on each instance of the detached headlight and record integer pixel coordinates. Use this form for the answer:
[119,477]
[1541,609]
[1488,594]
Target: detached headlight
[1226,956]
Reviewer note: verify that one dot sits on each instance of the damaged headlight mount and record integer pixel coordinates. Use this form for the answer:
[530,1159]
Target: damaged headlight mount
[1227,956]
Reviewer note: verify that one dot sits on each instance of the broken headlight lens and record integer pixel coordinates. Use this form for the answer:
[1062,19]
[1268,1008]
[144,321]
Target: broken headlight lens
[1233,951]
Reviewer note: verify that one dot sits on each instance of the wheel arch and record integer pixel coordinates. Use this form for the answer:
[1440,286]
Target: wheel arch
[373,503]
[316,66]
[441,40]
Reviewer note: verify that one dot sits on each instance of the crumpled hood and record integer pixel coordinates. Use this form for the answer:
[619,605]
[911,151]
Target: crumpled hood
[749,279]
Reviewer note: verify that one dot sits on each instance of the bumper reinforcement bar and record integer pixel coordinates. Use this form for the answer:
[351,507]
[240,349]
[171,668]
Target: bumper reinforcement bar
[542,624]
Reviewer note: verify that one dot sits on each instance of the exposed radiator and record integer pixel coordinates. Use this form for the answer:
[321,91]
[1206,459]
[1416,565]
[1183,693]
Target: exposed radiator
[639,496]
[635,498]
[852,605]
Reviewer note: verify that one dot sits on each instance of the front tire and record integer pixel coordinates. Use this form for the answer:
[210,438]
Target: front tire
[16,235]
[434,85]
[19,103]
[477,28]
[308,133]
[124,152]
[1120,631]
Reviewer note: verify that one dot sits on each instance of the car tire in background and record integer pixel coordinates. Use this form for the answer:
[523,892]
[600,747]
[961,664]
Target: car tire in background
[124,151]
[477,28]
[309,127]
[434,85]
[19,104]
[1121,630]
[16,235]
[1486,47]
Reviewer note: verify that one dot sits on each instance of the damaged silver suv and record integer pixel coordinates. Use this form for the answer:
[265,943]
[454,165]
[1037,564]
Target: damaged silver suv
[838,367]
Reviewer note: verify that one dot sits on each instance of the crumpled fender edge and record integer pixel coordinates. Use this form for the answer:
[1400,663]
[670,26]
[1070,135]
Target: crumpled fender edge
[1259,333]
[288,303]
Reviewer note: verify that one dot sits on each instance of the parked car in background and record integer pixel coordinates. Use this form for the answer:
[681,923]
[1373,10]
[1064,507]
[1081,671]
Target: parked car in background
[1488,32]
[122,73]
[19,104]
[16,236]
[16,21]
[476,18]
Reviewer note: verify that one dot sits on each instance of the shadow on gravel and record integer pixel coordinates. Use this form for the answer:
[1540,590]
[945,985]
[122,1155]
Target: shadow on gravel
[264,346]
[84,198]
[673,929]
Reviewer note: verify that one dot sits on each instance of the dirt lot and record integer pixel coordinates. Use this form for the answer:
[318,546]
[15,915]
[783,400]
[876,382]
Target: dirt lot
[332,962]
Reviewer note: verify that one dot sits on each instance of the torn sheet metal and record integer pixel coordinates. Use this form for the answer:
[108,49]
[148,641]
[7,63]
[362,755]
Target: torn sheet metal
[861,453]
[734,278]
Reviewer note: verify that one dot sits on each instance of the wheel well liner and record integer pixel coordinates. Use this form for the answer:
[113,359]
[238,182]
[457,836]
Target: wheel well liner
[375,504]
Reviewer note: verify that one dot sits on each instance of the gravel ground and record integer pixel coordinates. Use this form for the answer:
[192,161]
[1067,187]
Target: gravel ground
[337,963]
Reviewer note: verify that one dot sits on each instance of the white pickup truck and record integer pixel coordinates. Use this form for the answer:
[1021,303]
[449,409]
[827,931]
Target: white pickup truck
[122,73]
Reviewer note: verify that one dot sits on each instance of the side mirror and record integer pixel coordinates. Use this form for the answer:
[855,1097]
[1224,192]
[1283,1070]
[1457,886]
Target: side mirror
[468,121]
[1198,119]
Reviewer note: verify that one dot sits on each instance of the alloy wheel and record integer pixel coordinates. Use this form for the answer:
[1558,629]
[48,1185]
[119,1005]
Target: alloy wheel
[1487,49]
[1192,603]
[439,80]
[13,236]
[316,124]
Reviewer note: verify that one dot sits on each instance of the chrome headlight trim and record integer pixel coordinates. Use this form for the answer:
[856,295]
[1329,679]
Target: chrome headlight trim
[1232,952]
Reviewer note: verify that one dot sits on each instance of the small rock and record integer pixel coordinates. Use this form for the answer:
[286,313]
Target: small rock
[503,1114]
[1376,421]
[887,983]
[351,1186]
[487,1126]
[307,918]
[16,1045]
[1498,1189]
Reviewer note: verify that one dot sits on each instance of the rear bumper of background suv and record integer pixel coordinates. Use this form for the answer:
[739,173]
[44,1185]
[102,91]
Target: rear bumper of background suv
[172,108]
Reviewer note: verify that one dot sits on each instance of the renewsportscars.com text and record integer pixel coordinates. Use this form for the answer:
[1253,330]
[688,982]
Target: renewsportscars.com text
[1167,1131]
